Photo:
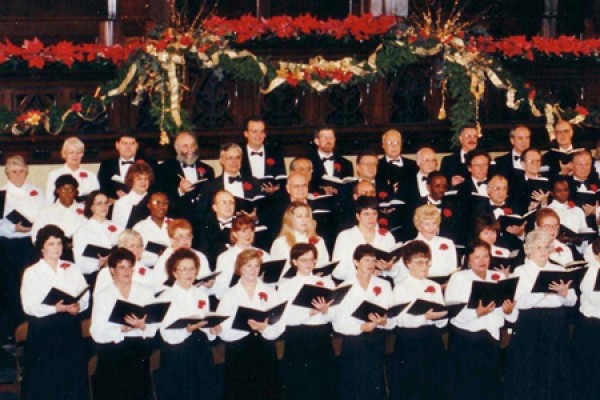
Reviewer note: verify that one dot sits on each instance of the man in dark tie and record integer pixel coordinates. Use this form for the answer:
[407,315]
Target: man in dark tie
[416,184]
[393,168]
[509,164]
[454,165]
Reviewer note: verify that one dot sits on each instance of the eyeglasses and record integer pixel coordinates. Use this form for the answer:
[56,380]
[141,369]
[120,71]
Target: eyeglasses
[159,203]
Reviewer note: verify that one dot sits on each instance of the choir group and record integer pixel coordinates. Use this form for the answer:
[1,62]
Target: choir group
[399,281]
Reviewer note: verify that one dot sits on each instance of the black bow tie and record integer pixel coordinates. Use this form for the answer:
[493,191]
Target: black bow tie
[130,162]
[484,182]
[235,179]
[225,224]
[184,165]
[495,207]
[424,178]
[396,161]
[517,158]
[256,153]
[330,158]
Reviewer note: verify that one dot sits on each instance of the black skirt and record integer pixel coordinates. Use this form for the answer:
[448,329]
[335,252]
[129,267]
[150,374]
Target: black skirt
[251,369]
[123,371]
[309,366]
[475,365]
[361,368]
[187,370]
[538,365]
[55,359]
[586,357]
[418,366]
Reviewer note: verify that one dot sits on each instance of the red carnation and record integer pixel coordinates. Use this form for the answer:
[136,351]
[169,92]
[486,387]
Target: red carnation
[337,166]
[377,290]
[430,289]
[383,195]
[76,107]
[320,283]
[270,162]
[315,194]
[83,175]
[185,41]
[33,193]
[263,296]
[495,277]
[508,211]
[382,231]
[571,204]
[447,212]
[313,240]
[498,252]
[383,221]
[201,304]
[247,186]
[65,265]
[142,271]
[79,211]
[593,187]
[443,246]
[201,171]
[558,249]
[112,228]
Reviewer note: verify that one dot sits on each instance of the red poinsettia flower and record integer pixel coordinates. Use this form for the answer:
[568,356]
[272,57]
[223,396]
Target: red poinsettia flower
[247,186]
[201,304]
[495,277]
[112,228]
[382,231]
[593,187]
[508,210]
[83,175]
[33,193]
[337,167]
[447,212]
[263,296]
[383,195]
[65,265]
[559,249]
[142,271]
[571,204]
[377,290]
[582,110]
[443,246]
[320,283]
[185,41]
[79,211]
[313,240]
[76,107]
[201,171]
[270,162]
[430,289]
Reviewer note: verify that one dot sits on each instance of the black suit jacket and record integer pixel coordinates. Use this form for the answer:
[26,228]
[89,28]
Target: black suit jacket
[452,166]
[111,167]
[390,173]
[504,166]
[274,162]
[342,168]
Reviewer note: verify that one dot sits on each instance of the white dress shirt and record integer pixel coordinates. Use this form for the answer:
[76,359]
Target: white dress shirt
[257,162]
[527,274]
[561,253]
[443,255]
[87,180]
[280,249]
[67,219]
[40,278]
[160,274]
[422,184]
[93,232]
[104,331]
[226,267]
[123,206]
[408,290]
[235,188]
[28,200]
[141,275]
[570,216]
[151,232]
[296,315]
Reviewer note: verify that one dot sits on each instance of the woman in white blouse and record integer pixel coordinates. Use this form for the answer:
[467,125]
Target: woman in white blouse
[95,230]
[55,357]
[548,220]
[131,208]
[419,360]
[298,226]
[241,237]
[309,366]
[361,363]
[250,359]
[474,350]
[123,370]
[538,363]
[72,152]
[187,371]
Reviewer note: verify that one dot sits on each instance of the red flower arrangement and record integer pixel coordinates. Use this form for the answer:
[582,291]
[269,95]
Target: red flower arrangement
[33,193]
[201,304]
[430,289]
[270,162]
[377,290]
[65,265]
[112,228]
[263,296]
[443,247]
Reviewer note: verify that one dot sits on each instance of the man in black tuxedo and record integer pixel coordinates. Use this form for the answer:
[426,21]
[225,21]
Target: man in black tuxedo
[415,186]
[127,147]
[454,165]
[393,168]
[325,161]
[559,159]
[260,159]
[584,186]
[510,164]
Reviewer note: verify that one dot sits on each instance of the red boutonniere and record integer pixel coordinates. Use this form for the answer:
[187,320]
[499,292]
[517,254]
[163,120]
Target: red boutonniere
[337,166]
[594,187]
[508,211]
[558,249]
[571,204]
[142,271]
[377,290]
[201,171]
[495,277]
[201,304]
[83,175]
[261,253]
[443,246]
[498,252]
[247,186]
[65,265]
[383,222]
[270,162]
[112,228]
[430,289]
[447,212]
[76,107]
[33,193]
[382,231]
[168,221]
[320,283]
[315,194]
[383,195]
[263,296]
[79,211]
[313,240]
